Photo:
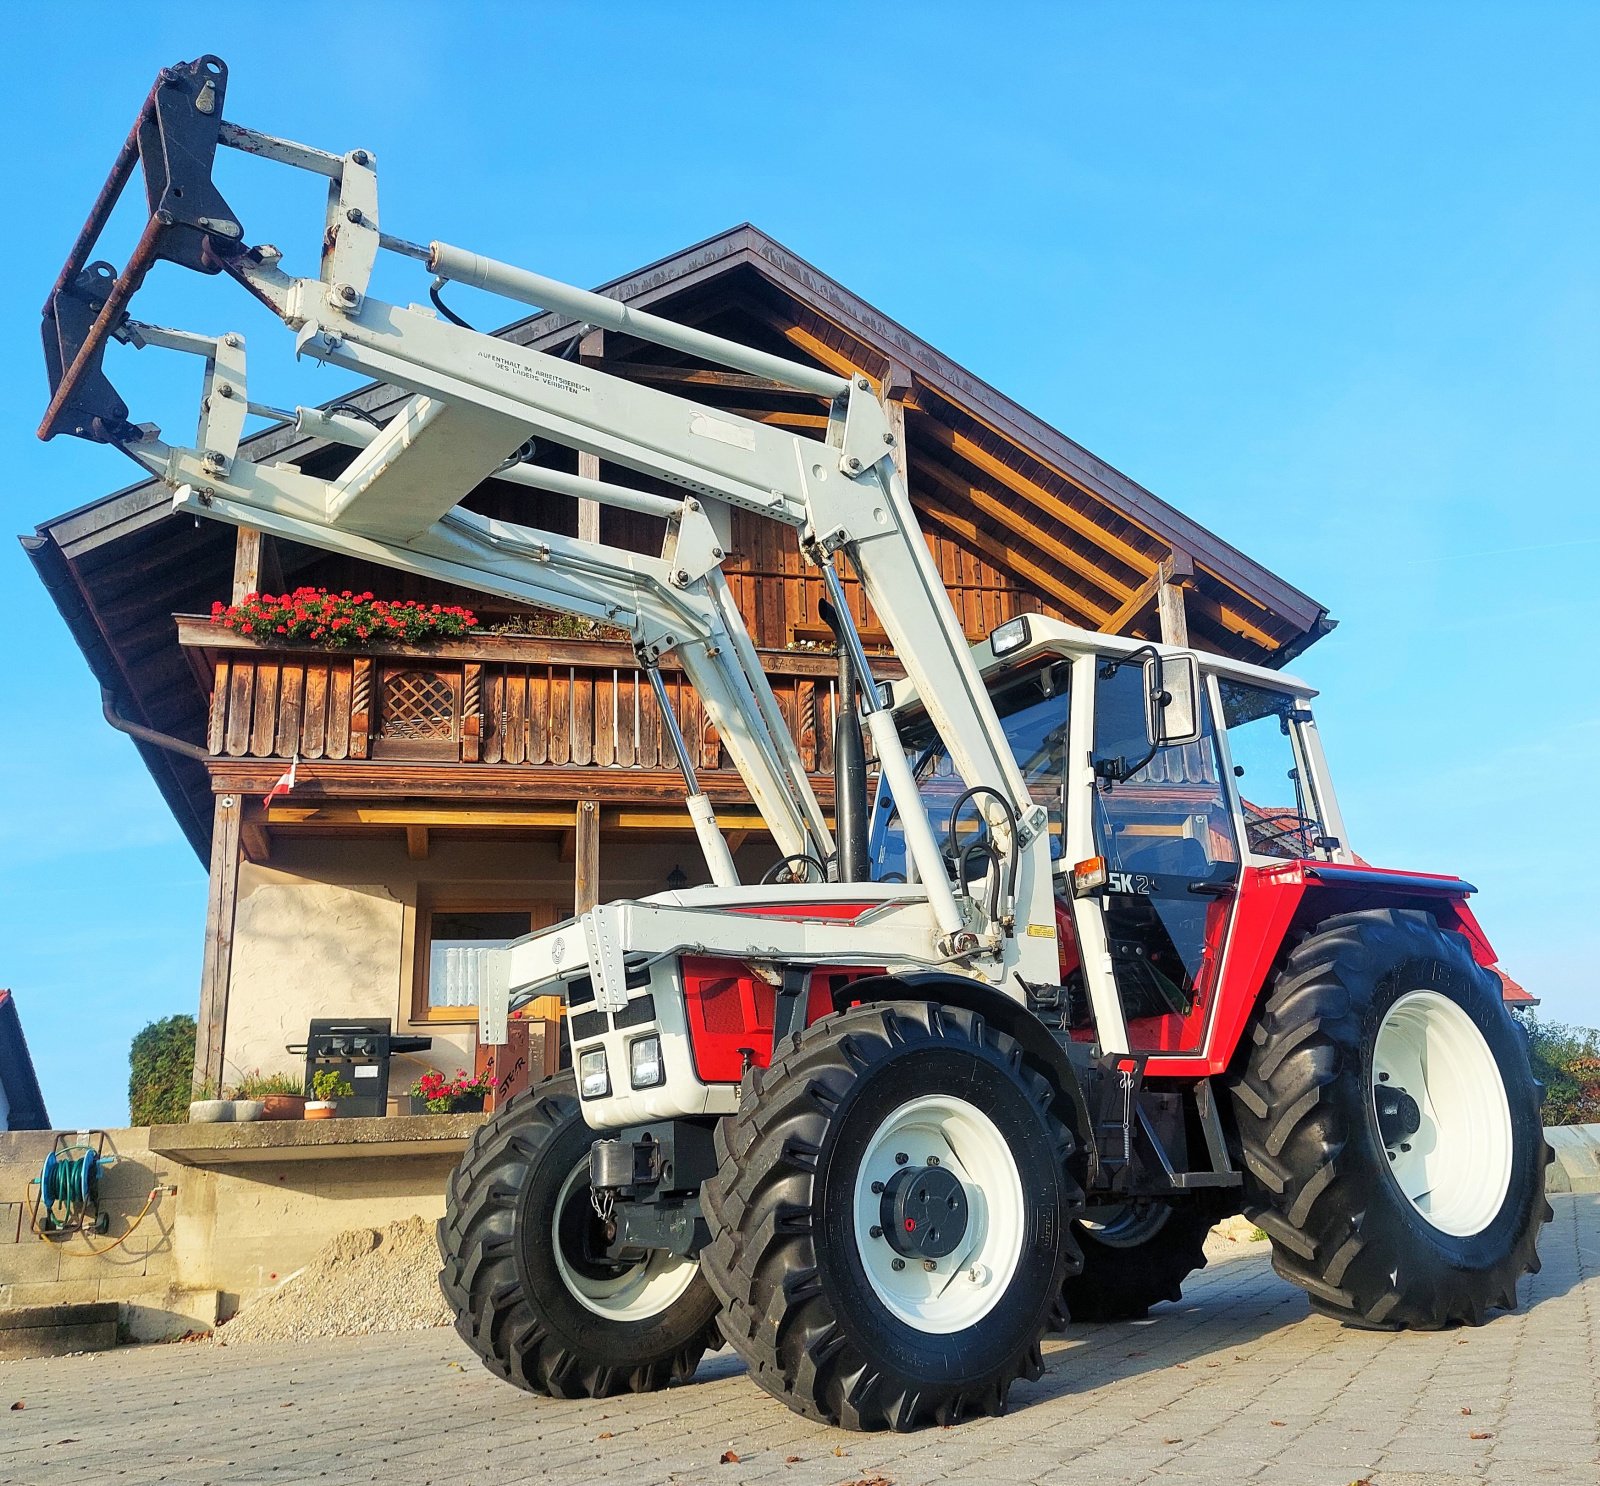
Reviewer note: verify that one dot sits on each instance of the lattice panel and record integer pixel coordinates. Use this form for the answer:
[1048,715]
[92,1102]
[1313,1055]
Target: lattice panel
[419,705]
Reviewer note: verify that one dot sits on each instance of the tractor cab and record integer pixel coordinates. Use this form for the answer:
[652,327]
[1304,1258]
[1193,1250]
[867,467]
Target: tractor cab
[1166,775]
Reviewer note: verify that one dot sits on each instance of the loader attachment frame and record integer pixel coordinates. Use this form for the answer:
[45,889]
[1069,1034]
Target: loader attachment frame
[474,402]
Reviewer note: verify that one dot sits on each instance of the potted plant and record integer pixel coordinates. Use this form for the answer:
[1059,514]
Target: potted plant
[281,1097]
[328,1086]
[206,1108]
[463,1094]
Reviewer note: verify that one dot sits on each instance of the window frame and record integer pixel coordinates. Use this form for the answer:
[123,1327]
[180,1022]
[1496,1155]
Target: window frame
[541,913]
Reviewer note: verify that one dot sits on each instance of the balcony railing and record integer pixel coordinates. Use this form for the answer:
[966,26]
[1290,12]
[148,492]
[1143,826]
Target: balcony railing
[481,700]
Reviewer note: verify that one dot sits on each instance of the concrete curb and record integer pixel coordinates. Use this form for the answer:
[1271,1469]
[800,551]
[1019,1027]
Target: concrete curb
[1576,1167]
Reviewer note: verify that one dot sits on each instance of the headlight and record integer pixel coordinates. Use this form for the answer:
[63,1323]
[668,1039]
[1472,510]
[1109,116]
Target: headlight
[644,1063]
[1012,635]
[594,1080]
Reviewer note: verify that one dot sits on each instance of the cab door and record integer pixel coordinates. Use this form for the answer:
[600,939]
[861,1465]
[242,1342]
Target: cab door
[1166,834]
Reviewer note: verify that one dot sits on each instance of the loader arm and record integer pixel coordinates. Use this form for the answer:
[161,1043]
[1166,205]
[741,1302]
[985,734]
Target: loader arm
[475,400]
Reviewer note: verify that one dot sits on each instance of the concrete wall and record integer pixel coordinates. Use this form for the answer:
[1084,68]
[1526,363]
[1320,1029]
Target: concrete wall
[328,928]
[216,1236]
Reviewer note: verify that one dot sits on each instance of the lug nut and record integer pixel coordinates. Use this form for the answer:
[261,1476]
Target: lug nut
[877,1188]
[1383,1078]
[897,1264]
[929,1265]
[933,1160]
[900,1158]
[875,1231]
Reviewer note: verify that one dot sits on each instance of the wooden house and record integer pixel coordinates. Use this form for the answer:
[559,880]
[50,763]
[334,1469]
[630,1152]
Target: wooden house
[470,789]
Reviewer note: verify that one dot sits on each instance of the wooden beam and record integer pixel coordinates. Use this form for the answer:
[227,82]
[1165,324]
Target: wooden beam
[586,873]
[897,386]
[256,841]
[1228,619]
[1132,607]
[699,376]
[1020,523]
[417,843]
[568,851]
[1176,573]
[967,531]
[778,418]
[216,967]
[973,453]
[246,563]
[736,841]
[591,352]
[414,815]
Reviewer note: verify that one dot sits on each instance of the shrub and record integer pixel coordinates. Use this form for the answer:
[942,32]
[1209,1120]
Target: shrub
[1566,1060]
[161,1072]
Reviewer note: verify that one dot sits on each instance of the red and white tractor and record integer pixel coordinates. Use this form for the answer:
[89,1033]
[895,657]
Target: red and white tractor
[1096,968]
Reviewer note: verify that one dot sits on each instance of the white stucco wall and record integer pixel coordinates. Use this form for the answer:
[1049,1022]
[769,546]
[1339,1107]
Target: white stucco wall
[328,927]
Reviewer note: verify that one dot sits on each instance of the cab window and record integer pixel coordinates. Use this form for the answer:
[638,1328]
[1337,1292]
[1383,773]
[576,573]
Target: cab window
[1033,716]
[1280,817]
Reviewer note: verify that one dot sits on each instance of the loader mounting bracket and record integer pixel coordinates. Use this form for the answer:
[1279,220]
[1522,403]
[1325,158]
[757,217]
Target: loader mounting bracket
[174,138]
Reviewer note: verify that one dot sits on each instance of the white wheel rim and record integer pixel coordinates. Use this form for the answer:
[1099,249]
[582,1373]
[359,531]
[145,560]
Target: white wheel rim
[1455,1169]
[1128,1225]
[965,1285]
[637,1293]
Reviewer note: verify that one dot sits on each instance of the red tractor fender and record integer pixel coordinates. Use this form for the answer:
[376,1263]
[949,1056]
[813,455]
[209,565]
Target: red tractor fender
[1275,905]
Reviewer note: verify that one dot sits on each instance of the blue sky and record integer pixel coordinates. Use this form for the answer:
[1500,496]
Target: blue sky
[1325,278]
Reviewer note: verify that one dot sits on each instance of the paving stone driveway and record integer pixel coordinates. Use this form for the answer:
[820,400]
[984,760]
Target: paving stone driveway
[1238,1382]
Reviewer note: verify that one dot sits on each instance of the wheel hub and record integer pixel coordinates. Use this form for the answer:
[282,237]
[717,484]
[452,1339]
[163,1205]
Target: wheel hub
[1399,1115]
[924,1212]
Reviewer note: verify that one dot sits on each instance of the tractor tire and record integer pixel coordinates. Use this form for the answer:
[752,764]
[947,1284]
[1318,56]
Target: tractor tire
[1136,1256]
[518,1242]
[1390,1127]
[891,1218]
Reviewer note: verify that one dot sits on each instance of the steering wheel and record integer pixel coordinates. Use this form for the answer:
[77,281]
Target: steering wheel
[1285,823]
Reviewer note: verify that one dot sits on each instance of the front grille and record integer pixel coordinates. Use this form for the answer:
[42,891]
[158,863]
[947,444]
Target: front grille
[638,1011]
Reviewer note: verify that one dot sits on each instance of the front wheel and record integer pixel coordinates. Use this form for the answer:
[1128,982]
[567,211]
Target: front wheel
[1135,1255]
[525,1269]
[891,1218]
[1390,1125]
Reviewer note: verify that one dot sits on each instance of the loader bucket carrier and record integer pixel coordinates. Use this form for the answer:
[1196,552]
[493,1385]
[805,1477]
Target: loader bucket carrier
[1105,969]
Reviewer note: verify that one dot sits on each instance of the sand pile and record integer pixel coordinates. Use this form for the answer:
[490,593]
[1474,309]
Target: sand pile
[365,1280]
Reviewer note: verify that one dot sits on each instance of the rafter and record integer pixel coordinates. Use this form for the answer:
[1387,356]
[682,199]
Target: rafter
[968,449]
[967,531]
[1017,521]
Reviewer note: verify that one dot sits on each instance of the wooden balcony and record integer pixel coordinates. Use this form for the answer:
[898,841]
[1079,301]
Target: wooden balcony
[483,716]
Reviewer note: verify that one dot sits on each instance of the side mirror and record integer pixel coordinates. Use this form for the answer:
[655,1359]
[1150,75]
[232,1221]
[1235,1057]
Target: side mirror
[1172,699]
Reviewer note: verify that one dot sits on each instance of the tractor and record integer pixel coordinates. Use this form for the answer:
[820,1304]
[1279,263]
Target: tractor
[1092,966]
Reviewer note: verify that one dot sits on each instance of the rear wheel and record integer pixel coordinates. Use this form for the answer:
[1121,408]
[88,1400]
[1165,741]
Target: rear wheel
[890,1221]
[1390,1124]
[526,1272]
[1135,1255]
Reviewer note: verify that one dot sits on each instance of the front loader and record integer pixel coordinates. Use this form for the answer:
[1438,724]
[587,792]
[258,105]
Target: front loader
[1096,967]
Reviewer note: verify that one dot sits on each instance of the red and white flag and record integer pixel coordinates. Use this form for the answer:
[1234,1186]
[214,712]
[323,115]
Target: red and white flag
[285,782]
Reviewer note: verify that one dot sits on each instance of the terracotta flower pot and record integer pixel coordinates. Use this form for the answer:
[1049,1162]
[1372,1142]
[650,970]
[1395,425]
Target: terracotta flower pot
[321,1109]
[283,1107]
